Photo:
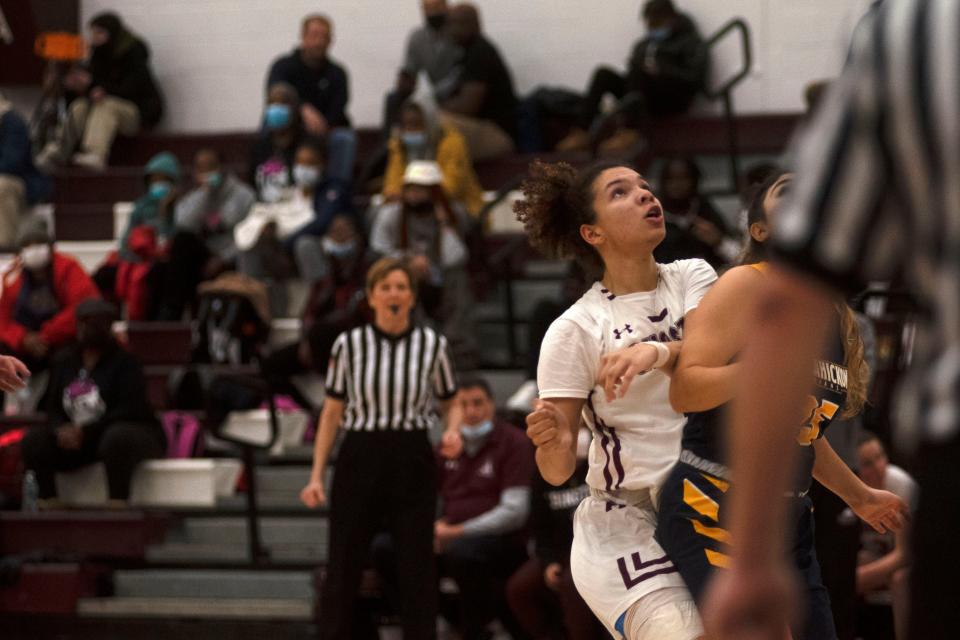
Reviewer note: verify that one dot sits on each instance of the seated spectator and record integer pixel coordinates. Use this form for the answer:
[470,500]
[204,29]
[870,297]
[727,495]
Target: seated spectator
[541,593]
[664,73]
[272,230]
[484,106]
[115,93]
[485,497]
[336,266]
[694,228]
[429,230]
[97,409]
[271,159]
[41,291]
[124,276]
[884,563]
[431,51]
[20,182]
[322,88]
[420,136]
[211,210]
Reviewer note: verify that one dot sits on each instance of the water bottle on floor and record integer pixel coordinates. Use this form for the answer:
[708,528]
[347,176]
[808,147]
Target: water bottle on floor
[30,492]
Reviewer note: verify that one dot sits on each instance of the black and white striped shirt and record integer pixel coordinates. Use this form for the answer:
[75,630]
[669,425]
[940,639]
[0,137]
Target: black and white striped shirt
[390,382]
[878,189]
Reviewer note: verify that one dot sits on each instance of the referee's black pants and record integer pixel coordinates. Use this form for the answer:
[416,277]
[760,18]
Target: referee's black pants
[383,480]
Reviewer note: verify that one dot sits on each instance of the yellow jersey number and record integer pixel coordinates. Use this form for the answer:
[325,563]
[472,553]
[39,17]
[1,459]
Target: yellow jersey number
[816,412]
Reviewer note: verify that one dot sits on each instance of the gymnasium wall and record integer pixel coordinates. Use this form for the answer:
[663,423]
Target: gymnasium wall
[211,55]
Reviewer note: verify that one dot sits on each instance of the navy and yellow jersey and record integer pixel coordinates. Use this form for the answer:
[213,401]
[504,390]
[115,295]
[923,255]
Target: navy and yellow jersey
[703,434]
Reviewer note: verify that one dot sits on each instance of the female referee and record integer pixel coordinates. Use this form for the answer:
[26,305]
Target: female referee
[382,382]
[609,220]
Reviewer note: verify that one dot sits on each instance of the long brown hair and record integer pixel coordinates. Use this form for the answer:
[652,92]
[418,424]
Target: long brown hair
[858,371]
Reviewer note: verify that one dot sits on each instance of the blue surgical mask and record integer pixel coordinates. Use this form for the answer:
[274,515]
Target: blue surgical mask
[659,35]
[414,139]
[213,179]
[277,116]
[159,190]
[477,431]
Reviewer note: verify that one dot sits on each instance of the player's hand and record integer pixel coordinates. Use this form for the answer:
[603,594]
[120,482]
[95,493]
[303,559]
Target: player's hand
[13,374]
[619,368]
[451,444]
[313,495]
[552,575]
[882,510]
[548,428]
[754,604]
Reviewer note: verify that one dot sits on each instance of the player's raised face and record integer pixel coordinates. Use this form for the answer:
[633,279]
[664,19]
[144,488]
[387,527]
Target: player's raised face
[629,218]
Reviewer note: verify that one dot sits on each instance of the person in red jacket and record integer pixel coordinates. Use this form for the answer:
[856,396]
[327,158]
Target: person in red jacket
[40,293]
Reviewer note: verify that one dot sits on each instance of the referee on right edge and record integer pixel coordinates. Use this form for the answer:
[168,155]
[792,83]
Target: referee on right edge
[877,193]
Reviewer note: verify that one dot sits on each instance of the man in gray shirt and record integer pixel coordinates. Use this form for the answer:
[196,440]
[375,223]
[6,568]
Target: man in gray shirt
[429,50]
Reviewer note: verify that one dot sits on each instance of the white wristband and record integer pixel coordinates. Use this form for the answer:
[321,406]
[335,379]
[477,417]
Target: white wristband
[663,353]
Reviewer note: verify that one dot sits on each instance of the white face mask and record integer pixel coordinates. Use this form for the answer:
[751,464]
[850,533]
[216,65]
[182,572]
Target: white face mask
[305,176]
[36,256]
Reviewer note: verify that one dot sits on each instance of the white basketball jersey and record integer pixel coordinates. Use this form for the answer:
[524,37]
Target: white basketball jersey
[636,439]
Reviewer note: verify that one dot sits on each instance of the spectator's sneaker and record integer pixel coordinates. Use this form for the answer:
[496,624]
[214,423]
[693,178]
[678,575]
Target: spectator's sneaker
[523,398]
[49,158]
[91,161]
[576,140]
[620,143]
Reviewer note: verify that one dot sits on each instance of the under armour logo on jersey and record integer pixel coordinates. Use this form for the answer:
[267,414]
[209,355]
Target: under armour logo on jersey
[659,317]
[619,332]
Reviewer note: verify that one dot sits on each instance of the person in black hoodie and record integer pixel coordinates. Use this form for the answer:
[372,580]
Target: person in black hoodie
[666,69]
[97,409]
[114,93]
[695,229]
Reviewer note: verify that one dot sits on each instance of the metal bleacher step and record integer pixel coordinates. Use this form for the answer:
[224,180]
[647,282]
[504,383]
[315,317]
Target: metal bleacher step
[289,609]
[274,531]
[207,584]
[191,553]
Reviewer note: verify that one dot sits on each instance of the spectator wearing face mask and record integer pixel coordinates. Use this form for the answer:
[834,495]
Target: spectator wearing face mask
[419,135]
[272,156]
[97,409]
[41,291]
[322,88]
[485,495]
[428,230]
[335,265]
[124,276]
[217,203]
[430,50]
[271,231]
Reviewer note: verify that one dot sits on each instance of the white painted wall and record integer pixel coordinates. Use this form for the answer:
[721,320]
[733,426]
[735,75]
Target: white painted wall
[211,56]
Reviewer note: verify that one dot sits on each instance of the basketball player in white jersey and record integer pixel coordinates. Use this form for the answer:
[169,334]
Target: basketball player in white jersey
[629,321]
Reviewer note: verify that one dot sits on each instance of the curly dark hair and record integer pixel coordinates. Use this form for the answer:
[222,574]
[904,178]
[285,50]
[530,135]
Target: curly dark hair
[557,200]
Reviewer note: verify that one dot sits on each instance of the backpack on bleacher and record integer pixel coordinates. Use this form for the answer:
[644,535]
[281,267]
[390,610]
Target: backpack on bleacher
[233,320]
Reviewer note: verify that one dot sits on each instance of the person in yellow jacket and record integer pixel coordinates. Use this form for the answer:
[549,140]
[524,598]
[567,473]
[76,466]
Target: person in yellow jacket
[420,136]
